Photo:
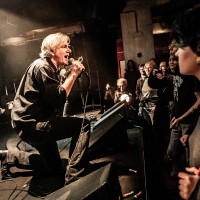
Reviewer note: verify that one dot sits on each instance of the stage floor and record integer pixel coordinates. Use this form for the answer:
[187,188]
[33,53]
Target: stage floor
[129,168]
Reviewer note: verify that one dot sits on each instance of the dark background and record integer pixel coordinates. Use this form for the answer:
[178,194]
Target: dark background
[97,43]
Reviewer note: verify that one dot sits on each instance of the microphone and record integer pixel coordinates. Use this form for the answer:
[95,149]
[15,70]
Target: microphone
[65,71]
[80,59]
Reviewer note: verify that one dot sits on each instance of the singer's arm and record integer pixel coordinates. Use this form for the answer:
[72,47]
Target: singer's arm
[69,81]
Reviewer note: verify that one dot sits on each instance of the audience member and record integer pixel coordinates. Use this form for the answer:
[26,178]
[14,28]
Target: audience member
[157,80]
[148,96]
[140,82]
[185,92]
[172,47]
[131,75]
[163,67]
[108,97]
[186,32]
[122,92]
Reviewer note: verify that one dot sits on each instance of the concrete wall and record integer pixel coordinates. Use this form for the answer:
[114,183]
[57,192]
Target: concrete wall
[137,33]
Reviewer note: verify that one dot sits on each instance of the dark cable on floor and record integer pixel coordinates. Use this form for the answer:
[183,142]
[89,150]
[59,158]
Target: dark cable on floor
[17,189]
[13,190]
[17,195]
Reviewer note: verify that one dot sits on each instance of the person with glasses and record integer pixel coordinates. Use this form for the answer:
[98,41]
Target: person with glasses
[186,32]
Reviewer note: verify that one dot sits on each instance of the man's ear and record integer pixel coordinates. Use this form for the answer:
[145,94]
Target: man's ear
[52,53]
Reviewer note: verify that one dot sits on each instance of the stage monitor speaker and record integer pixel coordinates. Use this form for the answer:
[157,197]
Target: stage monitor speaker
[100,184]
[118,108]
[115,108]
[109,134]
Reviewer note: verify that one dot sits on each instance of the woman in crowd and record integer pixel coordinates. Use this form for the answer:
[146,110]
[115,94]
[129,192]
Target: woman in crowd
[187,35]
[131,74]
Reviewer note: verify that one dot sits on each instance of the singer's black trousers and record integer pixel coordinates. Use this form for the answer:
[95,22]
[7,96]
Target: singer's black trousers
[43,136]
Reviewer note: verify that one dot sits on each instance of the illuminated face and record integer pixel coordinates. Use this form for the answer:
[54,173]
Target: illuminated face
[163,65]
[173,47]
[141,69]
[173,62]
[60,56]
[122,85]
[187,62]
[148,68]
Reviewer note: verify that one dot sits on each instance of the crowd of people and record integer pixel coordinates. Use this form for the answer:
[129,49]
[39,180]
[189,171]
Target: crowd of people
[165,95]
[186,32]
[167,98]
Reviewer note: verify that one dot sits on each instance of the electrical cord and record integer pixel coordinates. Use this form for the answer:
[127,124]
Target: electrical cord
[13,190]
[17,189]
[82,90]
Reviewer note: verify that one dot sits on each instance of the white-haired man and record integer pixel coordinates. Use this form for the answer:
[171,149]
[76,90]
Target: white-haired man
[35,109]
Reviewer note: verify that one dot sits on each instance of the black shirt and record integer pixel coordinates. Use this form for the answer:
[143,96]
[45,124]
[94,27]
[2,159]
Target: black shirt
[39,95]
[185,87]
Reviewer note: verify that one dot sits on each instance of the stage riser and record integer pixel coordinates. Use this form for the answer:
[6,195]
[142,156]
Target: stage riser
[100,184]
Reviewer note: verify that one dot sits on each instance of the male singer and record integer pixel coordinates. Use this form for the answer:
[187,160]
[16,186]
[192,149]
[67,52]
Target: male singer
[36,104]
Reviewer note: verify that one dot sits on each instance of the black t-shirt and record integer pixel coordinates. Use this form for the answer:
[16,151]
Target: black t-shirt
[184,95]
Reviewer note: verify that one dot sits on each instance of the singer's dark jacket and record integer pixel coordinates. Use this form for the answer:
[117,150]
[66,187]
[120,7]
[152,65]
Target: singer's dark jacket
[39,94]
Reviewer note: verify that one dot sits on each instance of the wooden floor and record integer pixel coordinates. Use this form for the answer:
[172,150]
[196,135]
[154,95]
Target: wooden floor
[129,168]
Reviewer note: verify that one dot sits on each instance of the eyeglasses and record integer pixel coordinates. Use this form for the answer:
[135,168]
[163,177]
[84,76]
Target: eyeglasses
[173,45]
[182,45]
[181,41]
[179,44]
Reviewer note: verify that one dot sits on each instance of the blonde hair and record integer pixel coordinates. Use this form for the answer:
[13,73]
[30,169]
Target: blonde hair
[51,42]
[121,80]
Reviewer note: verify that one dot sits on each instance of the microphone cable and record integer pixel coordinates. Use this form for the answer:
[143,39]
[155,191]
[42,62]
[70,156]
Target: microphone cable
[84,93]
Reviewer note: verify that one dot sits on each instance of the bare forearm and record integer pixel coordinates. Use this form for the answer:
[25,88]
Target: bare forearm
[77,68]
[192,110]
[69,82]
